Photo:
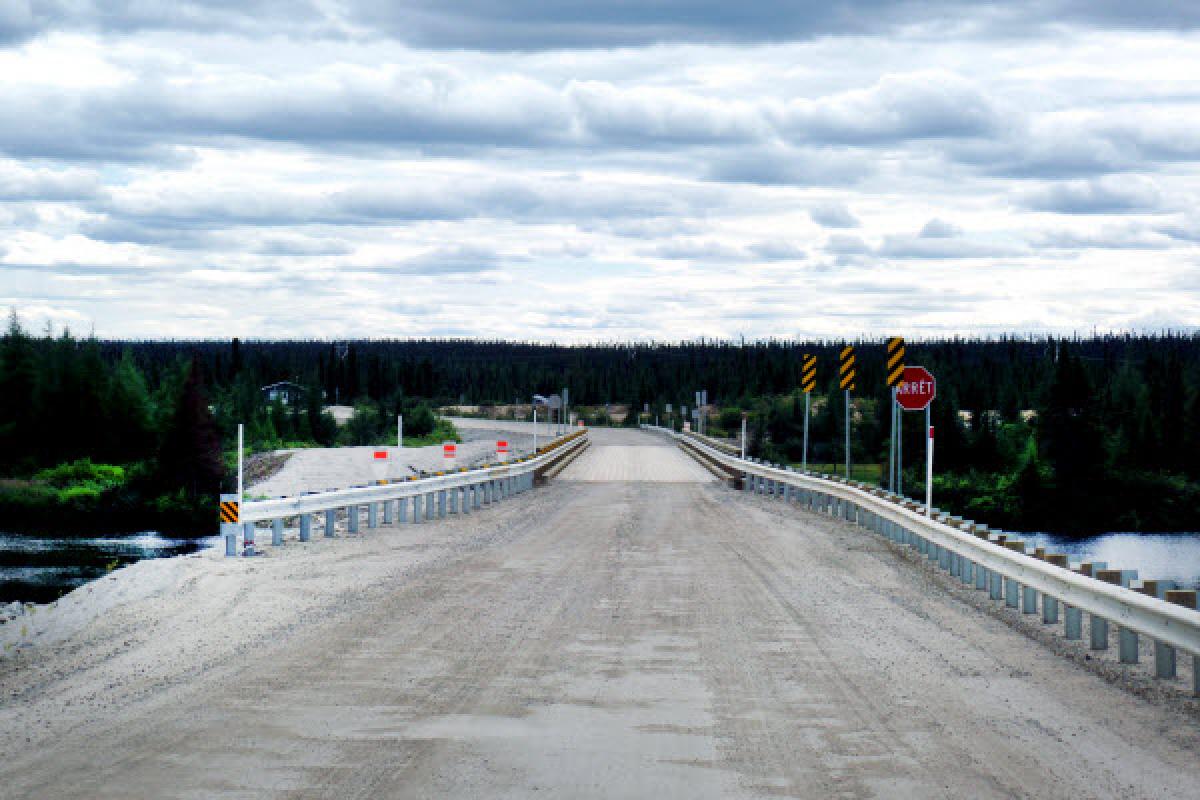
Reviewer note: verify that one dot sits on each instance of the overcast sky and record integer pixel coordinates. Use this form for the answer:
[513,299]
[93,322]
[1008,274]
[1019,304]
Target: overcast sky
[583,171]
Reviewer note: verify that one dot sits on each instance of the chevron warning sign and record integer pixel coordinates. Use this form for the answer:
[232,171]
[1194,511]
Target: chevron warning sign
[229,510]
[895,361]
[847,369]
[808,373]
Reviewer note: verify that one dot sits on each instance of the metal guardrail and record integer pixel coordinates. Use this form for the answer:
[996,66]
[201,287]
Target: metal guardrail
[315,502]
[989,564]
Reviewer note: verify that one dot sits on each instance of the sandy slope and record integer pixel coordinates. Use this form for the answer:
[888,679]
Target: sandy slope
[589,639]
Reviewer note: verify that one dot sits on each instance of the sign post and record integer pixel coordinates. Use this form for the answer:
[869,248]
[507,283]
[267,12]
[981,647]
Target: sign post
[916,393]
[808,382]
[744,415]
[928,466]
[894,375]
[847,371]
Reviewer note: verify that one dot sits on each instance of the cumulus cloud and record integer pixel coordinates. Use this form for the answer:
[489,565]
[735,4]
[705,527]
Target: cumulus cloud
[939,229]
[1111,194]
[597,156]
[833,215]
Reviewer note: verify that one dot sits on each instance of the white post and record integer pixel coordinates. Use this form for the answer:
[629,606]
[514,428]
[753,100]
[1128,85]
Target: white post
[400,431]
[928,464]
[743,437]
[535,426]
[241,449]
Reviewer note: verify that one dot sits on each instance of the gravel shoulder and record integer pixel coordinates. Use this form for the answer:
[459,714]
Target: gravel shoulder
[615,638]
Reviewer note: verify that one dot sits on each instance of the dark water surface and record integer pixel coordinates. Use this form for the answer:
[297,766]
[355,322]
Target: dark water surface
[39,570]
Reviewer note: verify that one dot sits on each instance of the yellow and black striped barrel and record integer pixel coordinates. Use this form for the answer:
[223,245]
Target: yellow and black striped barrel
[808,373]
[229,511]
[848,369]
[895,361]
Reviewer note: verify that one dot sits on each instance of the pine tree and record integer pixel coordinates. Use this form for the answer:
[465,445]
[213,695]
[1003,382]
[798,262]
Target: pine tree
[190,455]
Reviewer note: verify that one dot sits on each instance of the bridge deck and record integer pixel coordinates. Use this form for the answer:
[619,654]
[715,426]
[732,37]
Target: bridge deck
[619,455]
[617,639]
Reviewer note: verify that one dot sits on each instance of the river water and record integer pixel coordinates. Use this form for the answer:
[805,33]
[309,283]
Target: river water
[39,570]
[1161,556]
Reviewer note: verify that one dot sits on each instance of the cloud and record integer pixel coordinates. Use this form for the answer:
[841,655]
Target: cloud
[919,105]
[833,215]
[939,229]
[904,246]
[19,183]
[454,260]
[788,166]
[1107,195]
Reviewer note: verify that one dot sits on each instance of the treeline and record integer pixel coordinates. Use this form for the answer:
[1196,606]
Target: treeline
[1079,434]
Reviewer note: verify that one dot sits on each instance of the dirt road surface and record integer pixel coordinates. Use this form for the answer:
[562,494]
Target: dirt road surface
[592,639]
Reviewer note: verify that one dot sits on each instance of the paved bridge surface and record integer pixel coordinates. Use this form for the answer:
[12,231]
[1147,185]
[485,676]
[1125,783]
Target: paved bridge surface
[634,629]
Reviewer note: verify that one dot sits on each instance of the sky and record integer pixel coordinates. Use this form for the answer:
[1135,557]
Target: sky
[599,171]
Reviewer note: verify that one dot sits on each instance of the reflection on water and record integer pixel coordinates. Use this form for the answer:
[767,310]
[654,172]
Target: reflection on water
[38,570]
[1162,556]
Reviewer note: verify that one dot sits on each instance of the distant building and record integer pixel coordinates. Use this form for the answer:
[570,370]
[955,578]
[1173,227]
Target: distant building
[286,392]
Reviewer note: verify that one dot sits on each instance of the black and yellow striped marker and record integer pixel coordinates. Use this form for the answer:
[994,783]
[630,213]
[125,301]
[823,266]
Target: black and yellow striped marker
[808,373]
[847,369]
[229,511]
[895,361]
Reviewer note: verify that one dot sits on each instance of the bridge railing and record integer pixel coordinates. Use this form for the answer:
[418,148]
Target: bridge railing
[991,562]
[457,491]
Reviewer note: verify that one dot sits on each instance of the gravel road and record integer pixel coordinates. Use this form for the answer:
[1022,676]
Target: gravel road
[616,639]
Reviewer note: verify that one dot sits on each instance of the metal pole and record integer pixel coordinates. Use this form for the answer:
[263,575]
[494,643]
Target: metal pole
[847,434]
[928,462]
[892,446]
[899,450]
[400,431]
[535,426]
[804,463]
[241,448]
[743,436]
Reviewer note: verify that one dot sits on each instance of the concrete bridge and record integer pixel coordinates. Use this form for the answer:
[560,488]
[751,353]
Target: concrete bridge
[631,626]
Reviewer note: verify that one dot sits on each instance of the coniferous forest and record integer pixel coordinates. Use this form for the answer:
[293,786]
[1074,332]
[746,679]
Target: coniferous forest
[1073,436]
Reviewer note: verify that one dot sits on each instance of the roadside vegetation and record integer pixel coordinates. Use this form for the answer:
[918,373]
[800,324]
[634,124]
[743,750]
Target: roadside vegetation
[1069,436]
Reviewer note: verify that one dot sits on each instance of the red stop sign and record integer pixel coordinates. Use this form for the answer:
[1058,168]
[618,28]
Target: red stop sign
[917,390]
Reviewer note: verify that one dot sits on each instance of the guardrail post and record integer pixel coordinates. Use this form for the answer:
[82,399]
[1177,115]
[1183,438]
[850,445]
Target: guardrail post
[1010,593]
[1049,610]
[277,532]
[476,495]
[229,530]
[1099,633]
[248,539]
[388,507]
[1127,640]
[1072,622]
[402,510]
[330,522]
[430,500]
[1028,600]
[981,576]
[418,510]
[305,527]
[372,515]
[352,519]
